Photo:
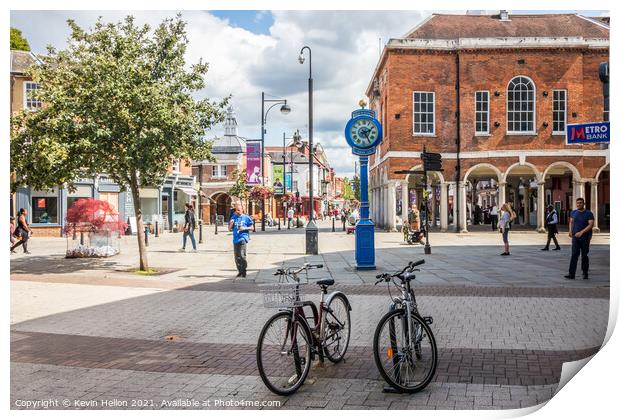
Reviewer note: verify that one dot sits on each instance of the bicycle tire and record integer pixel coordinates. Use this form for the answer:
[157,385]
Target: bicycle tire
[301,375]
[376,351]
[330,355]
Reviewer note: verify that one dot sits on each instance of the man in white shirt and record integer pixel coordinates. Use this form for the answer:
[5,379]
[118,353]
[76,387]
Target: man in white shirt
[494,217]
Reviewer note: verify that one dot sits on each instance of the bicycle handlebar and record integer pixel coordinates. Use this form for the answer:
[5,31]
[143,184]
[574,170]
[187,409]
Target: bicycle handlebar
[387,276]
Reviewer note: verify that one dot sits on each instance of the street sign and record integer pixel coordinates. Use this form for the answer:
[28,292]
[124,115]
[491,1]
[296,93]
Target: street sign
[432,161]
[596,132]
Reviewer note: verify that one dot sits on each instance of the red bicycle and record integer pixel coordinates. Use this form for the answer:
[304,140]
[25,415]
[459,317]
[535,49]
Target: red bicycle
[289,341]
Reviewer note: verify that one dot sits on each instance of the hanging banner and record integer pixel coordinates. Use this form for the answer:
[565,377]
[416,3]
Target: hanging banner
[253,155]
[278,178]
[288,182]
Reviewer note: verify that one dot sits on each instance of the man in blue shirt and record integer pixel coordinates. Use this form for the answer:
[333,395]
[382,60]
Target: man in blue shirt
[580,229]
[240,224]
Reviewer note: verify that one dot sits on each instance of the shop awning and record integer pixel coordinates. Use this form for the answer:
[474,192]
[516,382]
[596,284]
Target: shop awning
[188,191]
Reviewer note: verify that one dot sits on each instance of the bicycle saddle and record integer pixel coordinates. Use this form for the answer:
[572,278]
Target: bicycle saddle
[325,282]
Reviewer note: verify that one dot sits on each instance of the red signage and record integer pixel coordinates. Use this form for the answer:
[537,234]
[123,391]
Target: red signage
[40,203]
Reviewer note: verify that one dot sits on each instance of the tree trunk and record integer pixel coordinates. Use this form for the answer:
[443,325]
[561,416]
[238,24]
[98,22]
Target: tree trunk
[135,193]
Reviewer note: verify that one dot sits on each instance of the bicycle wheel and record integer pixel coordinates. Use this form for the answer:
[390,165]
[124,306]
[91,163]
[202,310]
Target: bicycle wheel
[283,353]
[407,365]
[336,329]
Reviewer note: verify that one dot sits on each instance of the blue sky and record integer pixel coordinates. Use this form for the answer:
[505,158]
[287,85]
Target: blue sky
[254,21]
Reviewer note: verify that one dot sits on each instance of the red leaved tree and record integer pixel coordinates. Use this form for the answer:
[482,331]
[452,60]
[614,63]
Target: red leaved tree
[92,215]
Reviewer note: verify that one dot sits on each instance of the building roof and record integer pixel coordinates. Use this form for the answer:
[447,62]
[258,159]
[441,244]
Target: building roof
[21,60]
[446,26]
[230,142]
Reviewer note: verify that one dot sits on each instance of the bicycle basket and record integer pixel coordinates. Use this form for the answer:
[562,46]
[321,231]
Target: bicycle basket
[282,295]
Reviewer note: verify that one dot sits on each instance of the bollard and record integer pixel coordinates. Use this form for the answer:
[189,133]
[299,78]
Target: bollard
[146,236]
[81,238]
[288,223]
[333,224]
[216,227]
[278,223]
[344,225]
[254,226]
[297,224]
[200,232]
[156,229]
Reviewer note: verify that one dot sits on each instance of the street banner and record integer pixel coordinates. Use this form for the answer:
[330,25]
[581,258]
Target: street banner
[253,152]
[288,182]
[597,132]
[278,178]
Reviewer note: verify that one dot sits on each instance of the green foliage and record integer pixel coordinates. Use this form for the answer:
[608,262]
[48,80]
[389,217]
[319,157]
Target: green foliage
[347,193]
[356,188]
[18,42]
[240,188]
[119,100]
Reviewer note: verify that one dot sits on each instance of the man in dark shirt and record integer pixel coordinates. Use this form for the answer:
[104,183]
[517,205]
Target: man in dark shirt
[580,229]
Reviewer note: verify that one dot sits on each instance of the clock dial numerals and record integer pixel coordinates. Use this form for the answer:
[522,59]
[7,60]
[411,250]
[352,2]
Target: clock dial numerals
[364,132]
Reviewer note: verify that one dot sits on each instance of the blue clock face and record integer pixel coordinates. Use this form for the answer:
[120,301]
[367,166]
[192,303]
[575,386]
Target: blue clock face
[363,132]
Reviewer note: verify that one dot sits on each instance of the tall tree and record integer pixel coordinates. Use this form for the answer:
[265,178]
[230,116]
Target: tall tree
[18,42]
[119,100]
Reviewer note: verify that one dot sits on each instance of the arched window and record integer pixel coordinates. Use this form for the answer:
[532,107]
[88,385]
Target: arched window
[521,110]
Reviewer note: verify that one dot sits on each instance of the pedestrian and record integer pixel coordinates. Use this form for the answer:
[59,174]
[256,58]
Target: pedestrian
[13,240]
[189,227]
[22,232]
[290,215]
[240,225]
[551,223]
[505,223]
[580,230]
[494,217]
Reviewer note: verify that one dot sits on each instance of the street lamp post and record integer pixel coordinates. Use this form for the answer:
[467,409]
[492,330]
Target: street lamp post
[312,231]
[284,109]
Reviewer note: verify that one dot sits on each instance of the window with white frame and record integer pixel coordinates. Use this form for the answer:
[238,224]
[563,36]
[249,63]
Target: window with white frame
[30,96]
[424,113]
[219,171]
[482,112]
[559,111]
[521,106]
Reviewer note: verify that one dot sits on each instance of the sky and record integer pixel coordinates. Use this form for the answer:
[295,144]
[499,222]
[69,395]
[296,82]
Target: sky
[254,51]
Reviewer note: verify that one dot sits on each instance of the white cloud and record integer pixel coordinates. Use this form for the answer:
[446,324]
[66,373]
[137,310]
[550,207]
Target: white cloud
[345,47]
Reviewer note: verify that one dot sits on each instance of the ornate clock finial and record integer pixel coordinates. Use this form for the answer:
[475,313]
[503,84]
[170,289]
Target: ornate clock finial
[362,103]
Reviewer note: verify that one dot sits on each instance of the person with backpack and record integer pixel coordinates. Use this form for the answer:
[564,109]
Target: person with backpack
[189,227]
[505,223]
[551,223]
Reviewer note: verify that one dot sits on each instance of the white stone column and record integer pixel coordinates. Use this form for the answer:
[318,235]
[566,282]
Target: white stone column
[594,204]
[391,207]
[578,192]
[443,218]
[463,210]
[502,194]
[381,203]
[540,211]
[405,198]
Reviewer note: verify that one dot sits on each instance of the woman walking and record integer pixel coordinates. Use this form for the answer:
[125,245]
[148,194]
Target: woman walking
[189,227]
[508,215]
[551,223]
[23,231]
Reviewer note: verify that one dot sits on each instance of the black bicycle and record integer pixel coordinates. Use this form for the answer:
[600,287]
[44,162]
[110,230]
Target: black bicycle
[289,342]
[404,346]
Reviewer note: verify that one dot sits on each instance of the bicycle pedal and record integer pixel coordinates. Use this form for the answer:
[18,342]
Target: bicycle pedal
[428,320]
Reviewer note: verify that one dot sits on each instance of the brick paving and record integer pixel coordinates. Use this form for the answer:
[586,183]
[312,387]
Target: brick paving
[88,331]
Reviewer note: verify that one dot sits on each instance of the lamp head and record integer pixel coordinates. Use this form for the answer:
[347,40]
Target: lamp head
[285,109]
[301,58]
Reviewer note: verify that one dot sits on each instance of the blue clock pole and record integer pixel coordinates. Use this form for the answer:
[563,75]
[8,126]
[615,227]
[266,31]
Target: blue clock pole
[365,228]
[363,133]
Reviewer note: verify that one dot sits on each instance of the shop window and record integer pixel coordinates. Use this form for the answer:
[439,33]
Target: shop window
[44,209]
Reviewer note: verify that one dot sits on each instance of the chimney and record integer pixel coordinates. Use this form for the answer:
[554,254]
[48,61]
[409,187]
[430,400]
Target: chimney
[503,15]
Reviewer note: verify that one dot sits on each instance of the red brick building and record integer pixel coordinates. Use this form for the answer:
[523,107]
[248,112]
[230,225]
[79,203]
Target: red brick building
[493,95]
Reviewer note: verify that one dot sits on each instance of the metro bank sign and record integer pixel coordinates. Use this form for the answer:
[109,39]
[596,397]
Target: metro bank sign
[587,133]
